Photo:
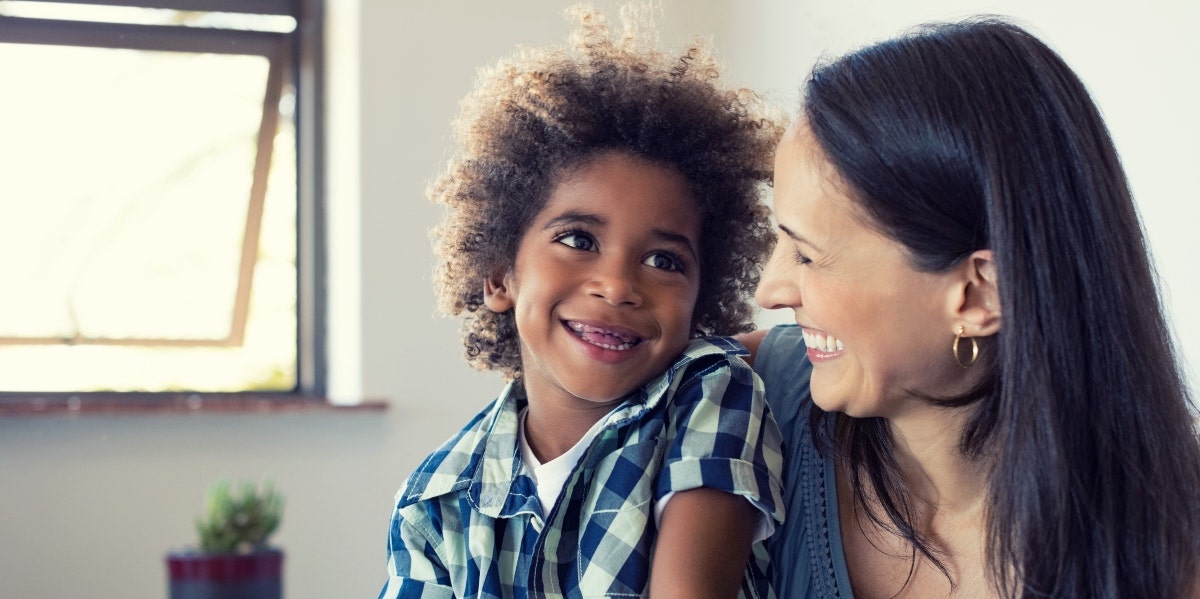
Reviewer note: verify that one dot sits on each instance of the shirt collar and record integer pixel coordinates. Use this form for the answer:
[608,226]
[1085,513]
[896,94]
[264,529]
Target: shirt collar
[501,489]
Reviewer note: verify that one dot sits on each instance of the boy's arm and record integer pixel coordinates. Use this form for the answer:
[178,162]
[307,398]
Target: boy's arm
[703,545]
[723,467]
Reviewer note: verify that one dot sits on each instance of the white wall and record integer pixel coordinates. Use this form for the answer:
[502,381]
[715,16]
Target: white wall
[88,505]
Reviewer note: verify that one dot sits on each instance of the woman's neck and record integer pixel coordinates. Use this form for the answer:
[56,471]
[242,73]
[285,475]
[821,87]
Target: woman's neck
[947,495]
[928,453]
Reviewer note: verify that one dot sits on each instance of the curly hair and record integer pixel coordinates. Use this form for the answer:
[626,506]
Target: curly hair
[544,111]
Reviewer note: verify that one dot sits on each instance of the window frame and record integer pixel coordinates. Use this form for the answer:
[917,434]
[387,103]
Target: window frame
[303,50]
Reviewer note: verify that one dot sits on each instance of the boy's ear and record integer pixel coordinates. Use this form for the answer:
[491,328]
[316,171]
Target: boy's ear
[976,301]
[495,292]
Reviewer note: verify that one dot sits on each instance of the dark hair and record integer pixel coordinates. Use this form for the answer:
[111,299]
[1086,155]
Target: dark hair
[970,135]
[540,113]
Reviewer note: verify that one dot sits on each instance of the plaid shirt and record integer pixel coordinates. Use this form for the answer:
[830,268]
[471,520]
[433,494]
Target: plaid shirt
[468,523]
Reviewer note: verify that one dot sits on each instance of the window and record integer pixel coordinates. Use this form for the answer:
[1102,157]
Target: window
[158,183]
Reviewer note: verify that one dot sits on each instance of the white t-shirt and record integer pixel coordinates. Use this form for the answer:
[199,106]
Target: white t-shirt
[551,476]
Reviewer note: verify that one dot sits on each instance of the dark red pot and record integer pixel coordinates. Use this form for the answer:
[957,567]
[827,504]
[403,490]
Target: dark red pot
[256,575]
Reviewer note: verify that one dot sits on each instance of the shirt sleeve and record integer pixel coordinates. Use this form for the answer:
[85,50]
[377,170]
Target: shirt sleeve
[723,436]
[415,571]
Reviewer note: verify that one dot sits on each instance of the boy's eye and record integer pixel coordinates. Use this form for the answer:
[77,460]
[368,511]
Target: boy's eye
[664,261]
[577,240]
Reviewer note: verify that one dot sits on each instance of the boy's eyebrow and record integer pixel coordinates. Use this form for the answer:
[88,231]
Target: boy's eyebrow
[799,238]
[573,217]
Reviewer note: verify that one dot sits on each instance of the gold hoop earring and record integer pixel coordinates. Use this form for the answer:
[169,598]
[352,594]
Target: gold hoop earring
[974,348]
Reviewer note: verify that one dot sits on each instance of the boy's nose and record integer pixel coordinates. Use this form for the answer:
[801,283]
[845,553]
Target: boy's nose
[615,284]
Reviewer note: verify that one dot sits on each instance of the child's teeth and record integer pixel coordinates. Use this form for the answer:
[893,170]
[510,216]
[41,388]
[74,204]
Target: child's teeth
[603,338]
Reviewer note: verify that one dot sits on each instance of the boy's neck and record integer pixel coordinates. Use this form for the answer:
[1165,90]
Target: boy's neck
[551,429]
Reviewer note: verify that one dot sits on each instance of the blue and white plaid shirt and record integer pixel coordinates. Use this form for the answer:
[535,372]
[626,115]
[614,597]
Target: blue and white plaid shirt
[468,523]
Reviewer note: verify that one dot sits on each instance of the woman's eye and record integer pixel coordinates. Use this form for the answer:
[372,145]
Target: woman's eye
[800,259]
[577,240]
[664,261]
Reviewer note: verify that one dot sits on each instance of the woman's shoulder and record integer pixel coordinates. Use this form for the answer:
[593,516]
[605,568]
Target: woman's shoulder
[806,550]
[781,360]
[781,337]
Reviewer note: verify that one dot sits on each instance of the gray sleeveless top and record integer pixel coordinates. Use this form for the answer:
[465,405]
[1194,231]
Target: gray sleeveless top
[806,552]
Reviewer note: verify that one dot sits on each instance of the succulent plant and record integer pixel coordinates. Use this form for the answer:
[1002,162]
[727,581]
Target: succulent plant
[239,521]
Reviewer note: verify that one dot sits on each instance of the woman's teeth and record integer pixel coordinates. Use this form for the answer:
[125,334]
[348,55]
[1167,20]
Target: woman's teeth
[822,342]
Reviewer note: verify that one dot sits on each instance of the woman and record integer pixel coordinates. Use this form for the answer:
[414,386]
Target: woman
[996,408]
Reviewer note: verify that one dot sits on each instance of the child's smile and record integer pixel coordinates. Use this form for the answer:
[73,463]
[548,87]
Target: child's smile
[608,337]
[605,281]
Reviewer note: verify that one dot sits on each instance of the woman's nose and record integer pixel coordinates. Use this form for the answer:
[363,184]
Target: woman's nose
[776,289]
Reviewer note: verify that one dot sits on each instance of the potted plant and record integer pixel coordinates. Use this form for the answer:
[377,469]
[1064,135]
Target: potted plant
[233,559]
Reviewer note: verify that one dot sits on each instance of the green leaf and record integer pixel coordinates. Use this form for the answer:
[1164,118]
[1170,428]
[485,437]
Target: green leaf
[238,521]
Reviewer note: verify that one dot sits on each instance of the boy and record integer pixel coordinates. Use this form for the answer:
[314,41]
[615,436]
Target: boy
[603,216]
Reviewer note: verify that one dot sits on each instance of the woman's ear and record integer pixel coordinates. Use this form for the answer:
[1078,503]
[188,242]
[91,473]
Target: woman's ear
[495,293]
[977,305]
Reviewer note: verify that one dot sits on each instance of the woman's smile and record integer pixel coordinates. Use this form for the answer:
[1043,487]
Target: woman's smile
[822,346]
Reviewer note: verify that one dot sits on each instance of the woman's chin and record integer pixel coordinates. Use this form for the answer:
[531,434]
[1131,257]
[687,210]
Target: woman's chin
[829,402]
[855,404]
